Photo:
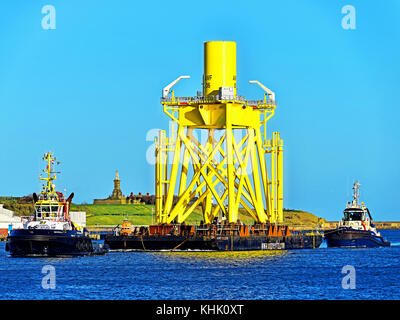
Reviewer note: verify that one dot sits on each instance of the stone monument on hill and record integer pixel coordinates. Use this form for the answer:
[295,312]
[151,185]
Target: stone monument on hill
[116,197]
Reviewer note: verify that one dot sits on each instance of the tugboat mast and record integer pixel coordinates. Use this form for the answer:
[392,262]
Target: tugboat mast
[356,194]
[49,188]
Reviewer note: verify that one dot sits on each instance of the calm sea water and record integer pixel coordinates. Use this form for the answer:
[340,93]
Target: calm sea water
[297,274]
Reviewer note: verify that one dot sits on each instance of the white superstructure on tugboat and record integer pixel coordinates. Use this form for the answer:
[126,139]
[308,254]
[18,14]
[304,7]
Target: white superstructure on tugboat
[50,231]
[356,228]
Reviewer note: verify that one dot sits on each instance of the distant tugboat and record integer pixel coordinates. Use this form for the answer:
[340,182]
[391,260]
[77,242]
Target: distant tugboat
[356,228]
[50,232]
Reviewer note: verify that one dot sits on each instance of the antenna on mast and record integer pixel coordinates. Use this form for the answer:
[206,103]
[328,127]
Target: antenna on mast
[356,193]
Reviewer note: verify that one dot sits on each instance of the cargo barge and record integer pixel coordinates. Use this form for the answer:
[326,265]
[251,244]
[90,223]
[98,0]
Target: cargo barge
[214,237]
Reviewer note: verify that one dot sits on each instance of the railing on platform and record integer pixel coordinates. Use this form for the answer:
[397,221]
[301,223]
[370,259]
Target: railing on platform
[217,98]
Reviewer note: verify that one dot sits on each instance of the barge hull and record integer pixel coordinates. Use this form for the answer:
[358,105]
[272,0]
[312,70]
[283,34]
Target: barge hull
[217,243]
[25,243]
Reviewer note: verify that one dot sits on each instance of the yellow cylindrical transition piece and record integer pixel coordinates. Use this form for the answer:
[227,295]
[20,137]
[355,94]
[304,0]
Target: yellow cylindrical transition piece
[219,67]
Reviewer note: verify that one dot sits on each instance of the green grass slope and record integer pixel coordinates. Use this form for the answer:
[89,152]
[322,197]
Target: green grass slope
[113,214]
[141,214]
[19,206]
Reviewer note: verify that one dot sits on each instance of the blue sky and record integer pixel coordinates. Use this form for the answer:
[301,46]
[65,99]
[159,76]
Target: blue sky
[89,90]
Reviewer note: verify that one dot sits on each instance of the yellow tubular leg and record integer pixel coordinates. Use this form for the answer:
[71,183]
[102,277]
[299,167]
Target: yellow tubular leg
[256,179]
[208,200]
[264,173]
[158,182]
[273,182]
[280,178]
[232,213]
[174,172]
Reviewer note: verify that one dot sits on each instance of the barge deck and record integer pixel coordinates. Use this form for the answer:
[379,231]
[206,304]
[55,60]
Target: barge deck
[229,237]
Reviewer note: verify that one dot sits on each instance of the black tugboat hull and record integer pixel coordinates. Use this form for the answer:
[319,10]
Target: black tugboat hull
[350,238]
[217,243]
[23,243]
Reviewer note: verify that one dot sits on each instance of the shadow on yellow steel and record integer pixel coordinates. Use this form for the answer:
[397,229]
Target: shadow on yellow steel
[221,256]
[231,168]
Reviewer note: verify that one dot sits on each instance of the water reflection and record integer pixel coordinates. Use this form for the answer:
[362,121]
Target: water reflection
[220,256]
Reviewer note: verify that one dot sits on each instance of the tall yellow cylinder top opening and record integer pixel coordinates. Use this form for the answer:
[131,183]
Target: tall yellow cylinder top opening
[219,67]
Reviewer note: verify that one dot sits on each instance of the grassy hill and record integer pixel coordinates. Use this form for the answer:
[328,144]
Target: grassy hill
[114,214]
[20,206]
[302,219]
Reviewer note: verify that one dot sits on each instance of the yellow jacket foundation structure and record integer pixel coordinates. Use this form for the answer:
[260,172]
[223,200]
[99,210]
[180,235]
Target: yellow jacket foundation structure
[229,169]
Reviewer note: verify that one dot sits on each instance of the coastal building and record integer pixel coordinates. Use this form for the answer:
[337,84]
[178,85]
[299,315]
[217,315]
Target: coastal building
[7,218]
[140,198]
[78,217]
